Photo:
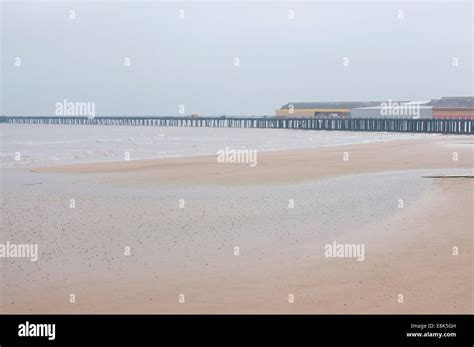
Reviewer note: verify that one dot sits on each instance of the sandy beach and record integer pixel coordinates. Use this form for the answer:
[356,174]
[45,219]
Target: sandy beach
[207,237]
[283,167]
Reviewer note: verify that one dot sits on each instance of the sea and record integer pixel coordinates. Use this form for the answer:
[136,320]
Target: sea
[30,145]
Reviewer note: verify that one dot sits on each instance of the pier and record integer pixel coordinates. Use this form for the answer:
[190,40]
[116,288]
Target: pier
[404,125]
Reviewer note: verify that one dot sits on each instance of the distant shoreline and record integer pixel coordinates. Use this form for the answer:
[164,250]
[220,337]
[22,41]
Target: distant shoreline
[286,166]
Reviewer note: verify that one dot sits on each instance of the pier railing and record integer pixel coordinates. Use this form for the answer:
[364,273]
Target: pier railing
[428,125]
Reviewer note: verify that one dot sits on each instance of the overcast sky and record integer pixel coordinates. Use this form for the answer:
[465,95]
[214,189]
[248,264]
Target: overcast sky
[393,50]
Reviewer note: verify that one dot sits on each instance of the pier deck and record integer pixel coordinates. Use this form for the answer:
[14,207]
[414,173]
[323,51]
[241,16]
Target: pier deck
[446,126]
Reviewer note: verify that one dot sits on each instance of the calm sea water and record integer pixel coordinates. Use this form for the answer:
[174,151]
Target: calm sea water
[60,144]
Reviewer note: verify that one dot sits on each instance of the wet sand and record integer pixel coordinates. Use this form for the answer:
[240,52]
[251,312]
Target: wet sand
[191,250]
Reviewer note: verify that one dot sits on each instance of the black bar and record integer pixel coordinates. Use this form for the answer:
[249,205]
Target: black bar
[314,330]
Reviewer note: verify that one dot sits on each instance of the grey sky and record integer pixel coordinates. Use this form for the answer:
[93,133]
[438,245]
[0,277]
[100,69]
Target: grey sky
[190,61]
